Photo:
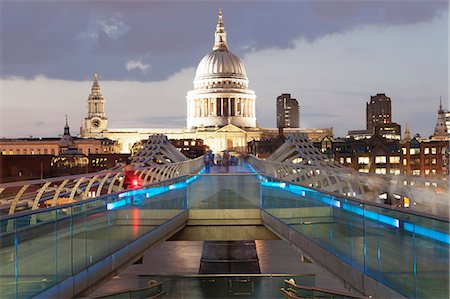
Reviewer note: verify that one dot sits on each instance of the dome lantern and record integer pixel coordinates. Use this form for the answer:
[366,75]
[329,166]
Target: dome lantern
[220,36]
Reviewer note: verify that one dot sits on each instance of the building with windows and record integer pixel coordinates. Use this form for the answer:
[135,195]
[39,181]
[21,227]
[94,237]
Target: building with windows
[37,158]
[378,111]
[378,118]
[370,155]
[425,157]
[56,145]
[417,157]
[287,112]
[221,109]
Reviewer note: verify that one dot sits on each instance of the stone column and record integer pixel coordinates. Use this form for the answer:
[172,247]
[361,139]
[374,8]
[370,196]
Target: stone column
[252,103]
[197,108]
[245,107]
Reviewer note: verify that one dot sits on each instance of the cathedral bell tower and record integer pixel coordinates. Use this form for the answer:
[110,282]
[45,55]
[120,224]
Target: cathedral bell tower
[96,120]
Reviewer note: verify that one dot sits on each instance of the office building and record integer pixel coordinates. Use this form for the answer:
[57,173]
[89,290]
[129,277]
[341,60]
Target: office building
[288,115]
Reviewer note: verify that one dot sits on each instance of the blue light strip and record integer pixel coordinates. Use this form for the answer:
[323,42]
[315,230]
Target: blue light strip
[427,232]
[274,184]
[391,221]
[334,202]
[117,204]
[330,201]
[251,168]
[372,215]
[178,185]
[150,192]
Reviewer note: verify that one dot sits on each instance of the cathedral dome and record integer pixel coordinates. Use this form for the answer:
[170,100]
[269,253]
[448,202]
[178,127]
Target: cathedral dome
[220,64]
[220,95]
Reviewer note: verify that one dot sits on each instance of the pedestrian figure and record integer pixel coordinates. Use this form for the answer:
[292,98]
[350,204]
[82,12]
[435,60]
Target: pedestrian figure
[208,160]
[226,159]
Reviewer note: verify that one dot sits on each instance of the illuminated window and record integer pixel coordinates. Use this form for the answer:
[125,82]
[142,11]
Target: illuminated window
[394,159]
[404,151]
[380,170]
[363,160]
[32,151]
[348,160]
[394,171]
[341,160]
[363,170]
[427,171]
[426,150]
[433,151]
[433,171]
[405,162]
[380,159]
[186,143]
[433,161]
[11,152]
[416,172]
[414,151]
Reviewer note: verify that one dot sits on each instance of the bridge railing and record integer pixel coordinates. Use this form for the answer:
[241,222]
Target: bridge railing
[425,195]
[41,248]
[24,195]
[404,250]
[292,290]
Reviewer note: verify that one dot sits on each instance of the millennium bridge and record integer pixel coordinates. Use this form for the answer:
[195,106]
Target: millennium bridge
[347,228]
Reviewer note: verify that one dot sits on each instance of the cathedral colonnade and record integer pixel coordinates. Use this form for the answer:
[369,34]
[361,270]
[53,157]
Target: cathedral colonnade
[221,106]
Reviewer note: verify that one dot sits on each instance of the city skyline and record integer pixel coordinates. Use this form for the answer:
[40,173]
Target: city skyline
[345,52]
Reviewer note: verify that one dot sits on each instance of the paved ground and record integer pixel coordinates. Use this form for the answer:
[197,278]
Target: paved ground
[169,259]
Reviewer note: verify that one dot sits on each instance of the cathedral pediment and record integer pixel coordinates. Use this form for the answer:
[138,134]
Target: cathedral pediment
[231,128]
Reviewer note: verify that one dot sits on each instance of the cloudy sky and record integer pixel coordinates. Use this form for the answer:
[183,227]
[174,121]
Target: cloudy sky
[330,55]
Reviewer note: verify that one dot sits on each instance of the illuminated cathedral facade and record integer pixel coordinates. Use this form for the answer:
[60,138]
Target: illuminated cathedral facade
[221,110]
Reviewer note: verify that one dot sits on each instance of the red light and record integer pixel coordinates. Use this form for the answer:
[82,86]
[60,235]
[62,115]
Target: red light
[135,183]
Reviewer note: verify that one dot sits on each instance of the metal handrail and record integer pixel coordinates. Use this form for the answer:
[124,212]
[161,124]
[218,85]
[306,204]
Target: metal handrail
[261,166]
[365,202]
[76,185]
[292,286]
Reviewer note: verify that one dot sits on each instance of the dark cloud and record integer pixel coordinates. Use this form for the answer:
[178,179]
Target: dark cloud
[44,37]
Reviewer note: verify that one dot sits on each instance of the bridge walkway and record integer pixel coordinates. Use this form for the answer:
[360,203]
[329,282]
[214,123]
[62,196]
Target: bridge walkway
[71,246]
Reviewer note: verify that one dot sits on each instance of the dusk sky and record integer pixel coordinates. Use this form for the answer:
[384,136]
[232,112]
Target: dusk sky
[330,55]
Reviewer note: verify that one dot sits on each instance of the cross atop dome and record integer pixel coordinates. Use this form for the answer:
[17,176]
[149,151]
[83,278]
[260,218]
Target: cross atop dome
[220,36]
